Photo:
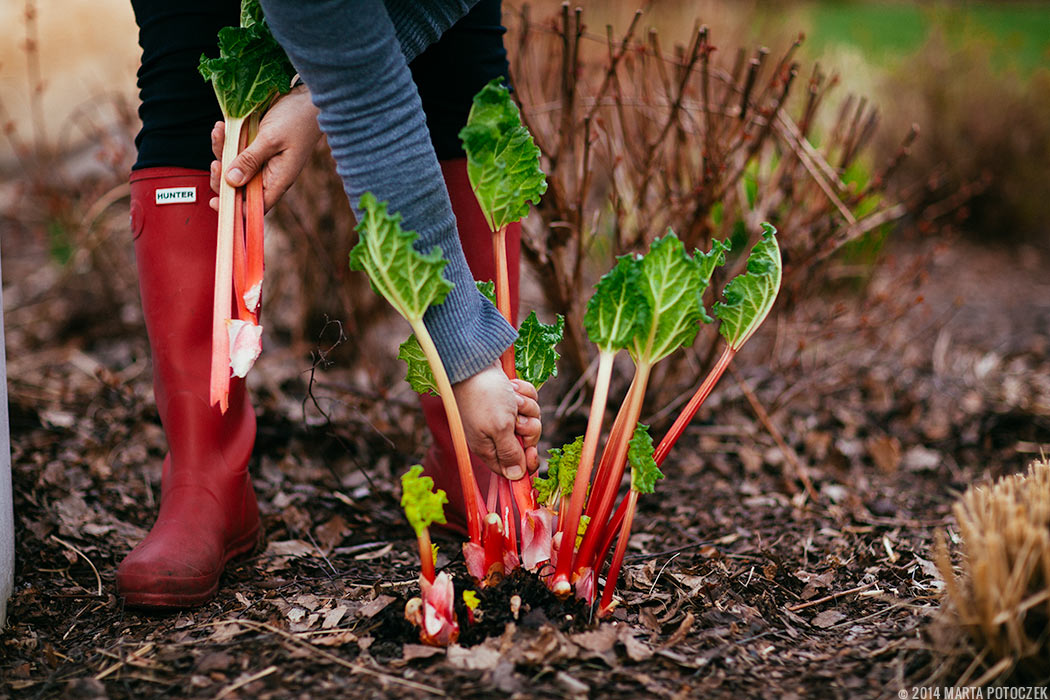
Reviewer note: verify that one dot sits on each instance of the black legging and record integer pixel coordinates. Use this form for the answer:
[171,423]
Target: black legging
[179,108]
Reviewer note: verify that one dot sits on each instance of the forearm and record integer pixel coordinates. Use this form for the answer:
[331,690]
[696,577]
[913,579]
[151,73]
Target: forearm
[350,56]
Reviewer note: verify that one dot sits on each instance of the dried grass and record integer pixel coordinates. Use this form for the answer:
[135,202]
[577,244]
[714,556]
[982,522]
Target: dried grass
[997,609]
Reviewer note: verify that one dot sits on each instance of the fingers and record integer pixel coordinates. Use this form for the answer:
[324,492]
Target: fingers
[510,457]
[250,161]
[525,389]
[529,430]
[532,459]
[218,138]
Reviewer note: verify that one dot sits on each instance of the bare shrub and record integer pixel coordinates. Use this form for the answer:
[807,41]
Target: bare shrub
[638,137]
[997,609]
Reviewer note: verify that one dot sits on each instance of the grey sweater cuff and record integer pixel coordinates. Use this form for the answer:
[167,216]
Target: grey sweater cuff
[350,54]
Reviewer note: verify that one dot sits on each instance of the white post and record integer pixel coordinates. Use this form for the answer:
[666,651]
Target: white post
[7,516]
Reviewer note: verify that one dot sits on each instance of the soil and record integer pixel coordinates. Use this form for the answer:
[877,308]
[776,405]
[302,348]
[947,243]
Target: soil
[738,582]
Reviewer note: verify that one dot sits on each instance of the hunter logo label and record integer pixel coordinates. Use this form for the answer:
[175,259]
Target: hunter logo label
[177,195]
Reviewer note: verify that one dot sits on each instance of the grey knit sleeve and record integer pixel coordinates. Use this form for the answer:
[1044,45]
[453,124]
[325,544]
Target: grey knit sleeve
[349,53]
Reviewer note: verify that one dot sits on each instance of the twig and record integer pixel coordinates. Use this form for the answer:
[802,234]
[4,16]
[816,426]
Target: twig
[661,571]
[778,438]
[356,668]
[245,681]
[134,656]
[833,596]
[85,558]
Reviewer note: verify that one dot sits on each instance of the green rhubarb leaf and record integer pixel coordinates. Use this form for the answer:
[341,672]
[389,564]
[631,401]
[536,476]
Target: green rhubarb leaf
[716,257]
[535,356]
[411,281]
[251,13]
[750,296]
[619,309]
[644,471]
[250,71]
[422,504]
[674,284]
[568,462]
[503,163]
[487,289]
[581,529]
[419,375]
[562,463]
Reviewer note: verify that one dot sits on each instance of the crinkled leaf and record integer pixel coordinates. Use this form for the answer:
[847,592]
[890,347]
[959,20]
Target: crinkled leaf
[535,356]
[644,471]
[562,463]
[487,289]
[674,283]
[251,13]
[568,457]
[546,486]
[422,504]
[619,308]
[419,375]
[750,296]
[716,257]
[250,71]
[411,281]
[503,163]
[581,529]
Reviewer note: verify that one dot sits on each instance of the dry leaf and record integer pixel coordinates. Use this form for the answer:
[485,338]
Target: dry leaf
[411,652]
[331,534]
[373,607]
[600,640]
[827,618]
[885,452]
[636,649]
[333,616]
[479,658]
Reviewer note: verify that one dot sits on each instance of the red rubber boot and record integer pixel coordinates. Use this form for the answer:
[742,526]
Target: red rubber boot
[474,234]
[208,513]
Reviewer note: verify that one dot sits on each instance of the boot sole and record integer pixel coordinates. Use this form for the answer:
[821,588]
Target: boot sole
[151,600]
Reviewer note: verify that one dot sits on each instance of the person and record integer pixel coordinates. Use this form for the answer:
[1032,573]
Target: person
[354,60]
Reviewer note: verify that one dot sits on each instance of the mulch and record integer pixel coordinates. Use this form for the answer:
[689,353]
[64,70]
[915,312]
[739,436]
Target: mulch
[738,582]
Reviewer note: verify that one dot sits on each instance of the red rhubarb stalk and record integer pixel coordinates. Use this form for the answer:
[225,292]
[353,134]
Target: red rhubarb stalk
[569,522]
[220,339]
[253,234]
[678,427]
[605,607]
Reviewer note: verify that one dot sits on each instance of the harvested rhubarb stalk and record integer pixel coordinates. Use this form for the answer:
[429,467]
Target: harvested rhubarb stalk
[248,75]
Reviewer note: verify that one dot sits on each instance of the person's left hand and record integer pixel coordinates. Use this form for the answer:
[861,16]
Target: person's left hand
[287,134]
[490,406]
[528,426]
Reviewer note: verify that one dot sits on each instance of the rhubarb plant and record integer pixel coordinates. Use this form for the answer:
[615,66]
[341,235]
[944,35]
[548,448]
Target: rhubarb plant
[644,473]
[432,612]
[250,72]
[670,284]
[503,165]
[650,305]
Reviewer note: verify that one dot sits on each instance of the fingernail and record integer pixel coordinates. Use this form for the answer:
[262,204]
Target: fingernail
[520,398]
[514,472]
[522,420]
[234,176]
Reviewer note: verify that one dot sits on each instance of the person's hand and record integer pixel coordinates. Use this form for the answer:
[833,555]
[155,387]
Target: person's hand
[287,134]
[490,406]
[528,426]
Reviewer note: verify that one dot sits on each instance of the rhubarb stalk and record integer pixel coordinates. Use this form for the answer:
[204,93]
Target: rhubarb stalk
[249,73]
[615,314]
[411,281]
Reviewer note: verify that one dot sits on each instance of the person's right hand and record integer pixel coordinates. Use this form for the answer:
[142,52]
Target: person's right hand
[287,134]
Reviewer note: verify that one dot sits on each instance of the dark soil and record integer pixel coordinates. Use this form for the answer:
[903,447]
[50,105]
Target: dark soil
[737,584]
